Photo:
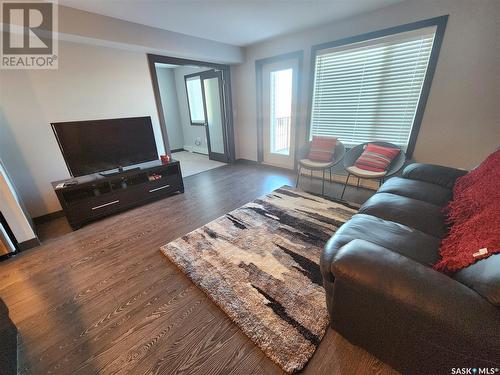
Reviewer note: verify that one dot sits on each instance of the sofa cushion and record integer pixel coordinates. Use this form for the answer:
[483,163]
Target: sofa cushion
[365,173]
[483,277]
[311,164]
[425,217]
[423,191]
[435,174]
[395,237]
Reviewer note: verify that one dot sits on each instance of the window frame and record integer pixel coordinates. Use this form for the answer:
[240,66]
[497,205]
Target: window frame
[194,123]
[438,22]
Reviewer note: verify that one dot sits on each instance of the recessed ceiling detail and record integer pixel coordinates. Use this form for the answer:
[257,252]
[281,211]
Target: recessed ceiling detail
[236,22]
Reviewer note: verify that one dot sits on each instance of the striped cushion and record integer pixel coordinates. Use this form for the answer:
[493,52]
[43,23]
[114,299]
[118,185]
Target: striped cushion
[322,148]
[376,158]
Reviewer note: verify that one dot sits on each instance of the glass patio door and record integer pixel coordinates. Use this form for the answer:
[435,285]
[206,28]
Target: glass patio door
[279,95]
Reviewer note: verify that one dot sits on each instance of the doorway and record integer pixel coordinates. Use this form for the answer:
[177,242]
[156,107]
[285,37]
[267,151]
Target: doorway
[192,99]
[278,89]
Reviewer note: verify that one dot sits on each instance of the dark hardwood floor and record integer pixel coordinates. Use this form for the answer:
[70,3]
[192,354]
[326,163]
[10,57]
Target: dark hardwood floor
[104,300]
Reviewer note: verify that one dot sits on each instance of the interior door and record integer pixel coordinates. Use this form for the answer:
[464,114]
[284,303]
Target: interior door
[213,103]
[279,110]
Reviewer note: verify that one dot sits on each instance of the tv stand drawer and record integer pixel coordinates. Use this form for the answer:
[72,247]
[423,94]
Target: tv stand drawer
[162,187]
[105,205]
[154,190]
[96,207]
[118,193]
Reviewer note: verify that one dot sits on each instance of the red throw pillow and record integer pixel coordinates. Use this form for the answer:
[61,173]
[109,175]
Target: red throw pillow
[322,148]
[473,215]
[376,158]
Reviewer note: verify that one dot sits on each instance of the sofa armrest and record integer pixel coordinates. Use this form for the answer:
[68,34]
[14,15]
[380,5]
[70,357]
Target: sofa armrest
[8,342]
[432,301]
[435,174]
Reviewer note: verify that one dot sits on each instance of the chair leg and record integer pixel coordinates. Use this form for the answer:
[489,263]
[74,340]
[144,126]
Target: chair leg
[345,185]
[330,175]
[357,185]
[323,184]
[311,175]
[298,176]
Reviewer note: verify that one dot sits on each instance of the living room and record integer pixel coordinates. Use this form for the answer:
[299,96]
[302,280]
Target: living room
[332,208]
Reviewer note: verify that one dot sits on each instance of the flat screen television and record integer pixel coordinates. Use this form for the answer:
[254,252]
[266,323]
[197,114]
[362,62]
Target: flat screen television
[100,145]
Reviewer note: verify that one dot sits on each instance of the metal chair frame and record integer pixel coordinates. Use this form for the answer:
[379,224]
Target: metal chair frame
[338,156]
[354,153]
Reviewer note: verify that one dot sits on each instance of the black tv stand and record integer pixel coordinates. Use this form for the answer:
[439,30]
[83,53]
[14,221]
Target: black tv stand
[95,196]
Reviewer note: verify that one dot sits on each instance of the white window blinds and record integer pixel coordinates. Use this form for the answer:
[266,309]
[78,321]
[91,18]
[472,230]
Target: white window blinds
[370,91]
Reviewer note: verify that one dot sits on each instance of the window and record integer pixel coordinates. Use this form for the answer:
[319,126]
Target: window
[370,90]
[195,100]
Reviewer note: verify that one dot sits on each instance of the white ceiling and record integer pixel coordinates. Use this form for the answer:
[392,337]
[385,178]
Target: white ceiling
[237,22]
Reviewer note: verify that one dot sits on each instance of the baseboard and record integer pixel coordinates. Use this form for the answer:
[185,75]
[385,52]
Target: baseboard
[48,217]
[7,256]
[34,242]
[197,149]
[247,161]
[177,150]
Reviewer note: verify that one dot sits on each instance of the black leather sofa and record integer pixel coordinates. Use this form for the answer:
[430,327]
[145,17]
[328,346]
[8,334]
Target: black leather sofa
[8,342]
[383,295]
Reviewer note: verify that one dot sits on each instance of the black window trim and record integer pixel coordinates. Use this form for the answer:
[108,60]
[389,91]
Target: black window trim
[438,22]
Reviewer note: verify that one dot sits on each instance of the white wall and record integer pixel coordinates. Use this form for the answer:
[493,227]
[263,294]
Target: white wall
[91,83]
[191,132]
[170,104]
[103,73]
[461,124]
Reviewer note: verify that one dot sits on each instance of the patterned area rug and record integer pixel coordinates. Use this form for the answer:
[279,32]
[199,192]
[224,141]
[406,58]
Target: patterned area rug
[260,264]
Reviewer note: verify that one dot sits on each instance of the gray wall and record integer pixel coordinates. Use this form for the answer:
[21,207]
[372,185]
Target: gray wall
[461,124]
[170,104]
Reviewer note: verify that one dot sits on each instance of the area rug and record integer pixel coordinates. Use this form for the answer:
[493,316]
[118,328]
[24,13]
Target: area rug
[260,265]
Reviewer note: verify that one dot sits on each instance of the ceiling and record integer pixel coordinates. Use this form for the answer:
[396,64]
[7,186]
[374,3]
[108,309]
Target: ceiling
[236,22]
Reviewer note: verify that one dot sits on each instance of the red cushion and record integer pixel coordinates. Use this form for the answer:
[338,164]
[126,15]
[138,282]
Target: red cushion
[473,215]
[322,148]
[376,158]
